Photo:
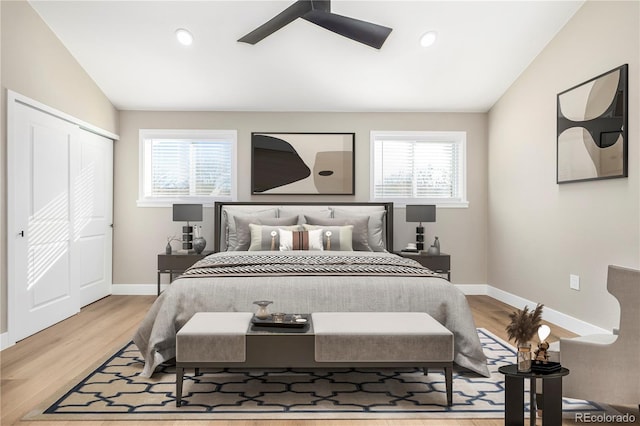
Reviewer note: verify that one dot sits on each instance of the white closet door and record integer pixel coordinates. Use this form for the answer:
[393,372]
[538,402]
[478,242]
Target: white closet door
[92,171]
[43,288]
[60,197]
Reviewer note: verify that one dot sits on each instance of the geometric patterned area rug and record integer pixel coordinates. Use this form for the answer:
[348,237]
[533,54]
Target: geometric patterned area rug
[114,390]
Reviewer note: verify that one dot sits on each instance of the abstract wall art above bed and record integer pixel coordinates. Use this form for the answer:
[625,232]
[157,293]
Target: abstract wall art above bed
[592,128]
[302,163]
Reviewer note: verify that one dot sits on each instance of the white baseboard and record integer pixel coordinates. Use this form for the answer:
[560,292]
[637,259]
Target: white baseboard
[4,341]
[136,289]
[556,317]
[568,322]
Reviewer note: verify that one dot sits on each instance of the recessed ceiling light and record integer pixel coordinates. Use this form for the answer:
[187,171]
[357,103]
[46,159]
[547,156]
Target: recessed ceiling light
[428,38]
[184,37]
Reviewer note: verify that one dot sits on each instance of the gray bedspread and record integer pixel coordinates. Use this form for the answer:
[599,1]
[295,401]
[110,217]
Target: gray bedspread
[292,293]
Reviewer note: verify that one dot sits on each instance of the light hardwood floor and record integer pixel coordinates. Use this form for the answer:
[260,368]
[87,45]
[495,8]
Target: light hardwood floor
[36,367]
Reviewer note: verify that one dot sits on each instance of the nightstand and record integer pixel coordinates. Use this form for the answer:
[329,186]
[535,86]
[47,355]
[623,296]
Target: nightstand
[439,263]
[177,263]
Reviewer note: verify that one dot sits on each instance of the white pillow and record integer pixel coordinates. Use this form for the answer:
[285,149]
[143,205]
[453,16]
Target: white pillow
[341,237]
[304,240]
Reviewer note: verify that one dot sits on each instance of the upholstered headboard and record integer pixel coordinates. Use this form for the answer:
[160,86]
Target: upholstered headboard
[220,243]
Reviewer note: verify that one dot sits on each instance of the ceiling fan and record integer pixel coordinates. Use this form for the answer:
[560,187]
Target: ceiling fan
[319,13]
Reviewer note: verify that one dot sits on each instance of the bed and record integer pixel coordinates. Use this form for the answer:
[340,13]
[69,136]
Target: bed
[354,271]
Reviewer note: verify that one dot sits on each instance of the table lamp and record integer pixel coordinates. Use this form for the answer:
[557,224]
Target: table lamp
[187,213]
[420,213]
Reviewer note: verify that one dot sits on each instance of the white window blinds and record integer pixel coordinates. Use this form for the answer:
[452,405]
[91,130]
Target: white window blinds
[188,167]
[418,166]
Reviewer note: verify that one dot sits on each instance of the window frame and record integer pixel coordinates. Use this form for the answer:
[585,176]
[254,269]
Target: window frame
[184,134]
[458,138]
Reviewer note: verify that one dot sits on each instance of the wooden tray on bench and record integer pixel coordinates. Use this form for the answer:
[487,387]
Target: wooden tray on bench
[289,324]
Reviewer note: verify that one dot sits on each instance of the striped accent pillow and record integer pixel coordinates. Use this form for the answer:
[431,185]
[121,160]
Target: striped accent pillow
[300,240]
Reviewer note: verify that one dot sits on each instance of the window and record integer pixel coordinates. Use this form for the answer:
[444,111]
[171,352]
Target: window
[187,166]
[419,167]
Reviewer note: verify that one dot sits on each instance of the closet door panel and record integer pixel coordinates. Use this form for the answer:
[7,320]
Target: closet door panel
[42,285]
[92,214]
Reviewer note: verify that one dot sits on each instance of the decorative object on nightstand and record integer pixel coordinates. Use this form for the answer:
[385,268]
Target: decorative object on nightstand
[262,313]
[543,345]
[199,243]
[420,213]
[434,250]
[411,248]
[168,249]
[521,329]
[187,213]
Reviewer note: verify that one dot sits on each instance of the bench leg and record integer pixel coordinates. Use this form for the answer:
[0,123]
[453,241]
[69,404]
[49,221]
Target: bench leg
[196,371]
[426,371]
[448,373]
[179,377]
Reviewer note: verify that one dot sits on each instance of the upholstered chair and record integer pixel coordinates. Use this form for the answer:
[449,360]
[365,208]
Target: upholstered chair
[606,368]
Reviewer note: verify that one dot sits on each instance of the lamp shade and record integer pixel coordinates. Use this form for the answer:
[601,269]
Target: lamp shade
[421,213]
[187,212]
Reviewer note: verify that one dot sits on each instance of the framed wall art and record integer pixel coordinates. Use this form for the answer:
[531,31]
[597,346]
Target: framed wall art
[302,163]
[592,128]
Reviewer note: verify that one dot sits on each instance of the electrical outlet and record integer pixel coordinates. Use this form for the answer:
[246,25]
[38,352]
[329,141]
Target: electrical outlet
[574,282]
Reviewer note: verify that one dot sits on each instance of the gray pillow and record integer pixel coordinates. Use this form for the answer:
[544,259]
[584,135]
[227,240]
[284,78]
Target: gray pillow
[360,229]
[266,237]
[376,225]
[340,239]
[229,214]
[301,211]
[243,233]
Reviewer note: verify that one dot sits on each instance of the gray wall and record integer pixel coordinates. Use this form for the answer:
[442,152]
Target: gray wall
[540,232]
[140,232]
[37,65]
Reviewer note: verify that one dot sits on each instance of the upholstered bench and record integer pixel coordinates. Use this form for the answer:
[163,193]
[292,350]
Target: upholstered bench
[384,337]
[334,339]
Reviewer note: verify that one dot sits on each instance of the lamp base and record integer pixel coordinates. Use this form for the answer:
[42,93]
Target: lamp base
[187,238]
[420,237]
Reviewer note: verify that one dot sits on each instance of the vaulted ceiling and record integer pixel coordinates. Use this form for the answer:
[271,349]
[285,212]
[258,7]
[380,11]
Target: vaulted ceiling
[130,50]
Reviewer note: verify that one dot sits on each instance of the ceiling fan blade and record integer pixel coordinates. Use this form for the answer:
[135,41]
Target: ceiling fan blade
[290,14]
[368,33]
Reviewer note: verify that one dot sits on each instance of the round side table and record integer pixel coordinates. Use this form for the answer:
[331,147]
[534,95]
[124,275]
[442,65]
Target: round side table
[514,396]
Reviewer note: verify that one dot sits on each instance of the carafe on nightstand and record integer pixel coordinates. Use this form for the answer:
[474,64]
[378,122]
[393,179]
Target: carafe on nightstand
[262,313]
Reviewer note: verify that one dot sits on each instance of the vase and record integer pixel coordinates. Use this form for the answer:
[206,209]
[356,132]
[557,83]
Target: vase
[434,249]
[167,249]
[524,357]
[262,313]
[199,243]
